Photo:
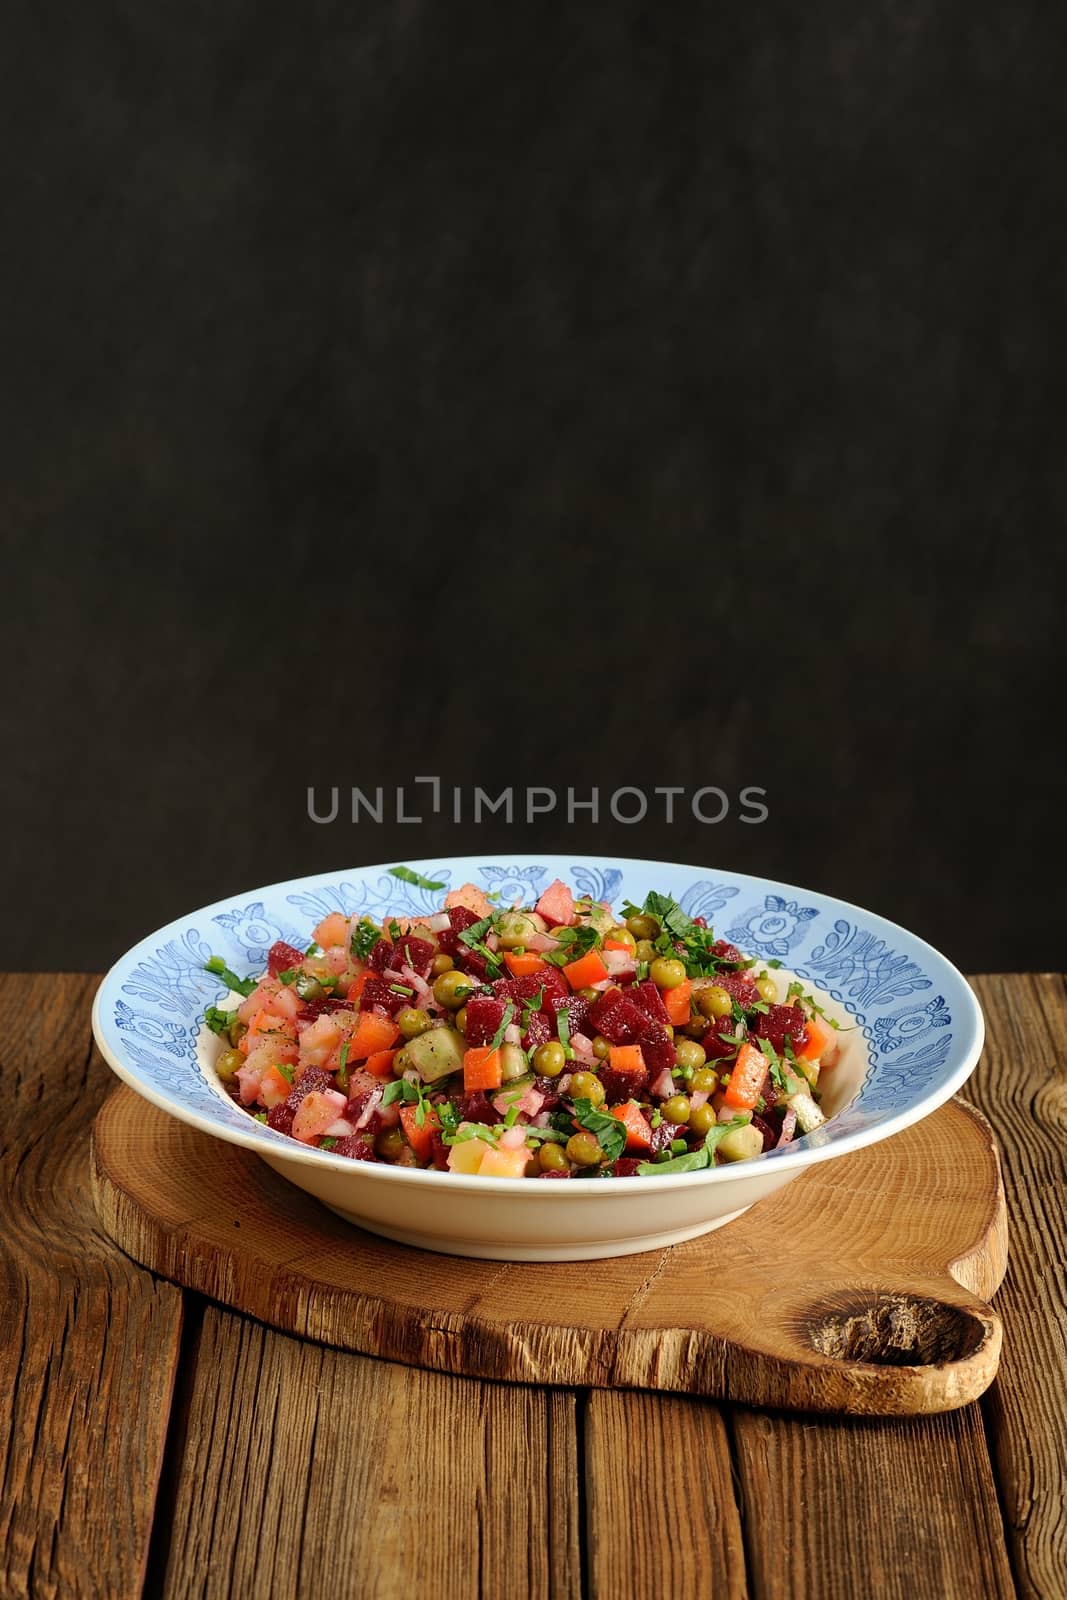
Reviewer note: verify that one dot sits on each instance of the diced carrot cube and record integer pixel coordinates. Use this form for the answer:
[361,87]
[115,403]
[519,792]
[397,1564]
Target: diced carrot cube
[482,1068]
[677,1002]
[586,971]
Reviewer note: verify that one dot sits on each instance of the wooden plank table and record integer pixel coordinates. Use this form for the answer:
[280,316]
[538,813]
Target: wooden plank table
[154,1443]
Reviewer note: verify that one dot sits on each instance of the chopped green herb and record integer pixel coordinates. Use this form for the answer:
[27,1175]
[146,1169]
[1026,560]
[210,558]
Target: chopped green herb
[219,1021]
[329,1143]
[609,1131]
[342,1065]
[406,875]
[218,968]
[573,943]
[259,1116]
[285,1070]
[289,976]
[505,1023]
[563,1031]
[364,939]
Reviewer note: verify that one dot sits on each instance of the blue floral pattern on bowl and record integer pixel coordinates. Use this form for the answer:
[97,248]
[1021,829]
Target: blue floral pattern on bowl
[149,1009]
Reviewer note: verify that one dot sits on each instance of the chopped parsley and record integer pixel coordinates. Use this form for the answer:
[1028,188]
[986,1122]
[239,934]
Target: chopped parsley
[573,943]
[364,939]
[219,1021]
[609,1131]
[342,1065]
[505,1023]
[406,875]
[218,968]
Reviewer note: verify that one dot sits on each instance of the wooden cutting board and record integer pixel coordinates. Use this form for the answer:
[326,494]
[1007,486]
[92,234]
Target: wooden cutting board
[861,1287]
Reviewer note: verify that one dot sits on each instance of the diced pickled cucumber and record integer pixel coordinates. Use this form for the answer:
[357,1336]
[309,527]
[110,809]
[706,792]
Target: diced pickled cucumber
[513,1063]
[809,1117]
[741,1144]
[435,1053]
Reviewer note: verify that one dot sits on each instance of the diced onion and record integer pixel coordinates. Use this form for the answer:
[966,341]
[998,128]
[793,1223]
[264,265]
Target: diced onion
[512,1138]
[339,1129]
[789,1123]
[439,922]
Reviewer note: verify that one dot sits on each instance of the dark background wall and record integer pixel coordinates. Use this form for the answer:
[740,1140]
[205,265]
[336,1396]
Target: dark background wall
[640,396]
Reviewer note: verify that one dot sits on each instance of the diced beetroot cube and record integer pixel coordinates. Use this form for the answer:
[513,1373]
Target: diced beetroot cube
[576,1008]
[657,1047]
[484,1017]
[281,957]
[626,1167]
[700,922]
[355,1147]
[738,987]
[357,1101]
[539,1031]
[716,1048]
[531,985]
[313,1009]
[549,1088]
[648,997]
[478,1107]
[381,955]
[779,1023]
[313,1078]
[722,950]
[470,961]
[461,918]
[770,1137]
[771,1094]
[622,1086]
[661,1137]
[617,1017]
[439,1152]
[448,941]
[280,1117]
[379,993]
[417,954]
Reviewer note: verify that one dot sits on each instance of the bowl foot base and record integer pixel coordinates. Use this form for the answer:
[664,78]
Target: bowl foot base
[493,1250]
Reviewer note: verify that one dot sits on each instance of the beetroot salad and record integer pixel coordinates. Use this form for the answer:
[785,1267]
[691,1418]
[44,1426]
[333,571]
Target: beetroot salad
[559,1040]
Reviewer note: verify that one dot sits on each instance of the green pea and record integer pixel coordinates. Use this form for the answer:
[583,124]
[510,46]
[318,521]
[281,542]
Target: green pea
[552,1158]
[587,1086]
[460,1019]
[549,1059]
[589,994]
[412,1021]
[646,950]
[666,972]
[706,1079]
[689,1054]
[676,1109]
[389,1144]
[441,963]
[228,1064]
[643,927]
[236,1031]
[767,989]
[452,988]
[703,1119]
[601,1047]
[584,1150]
[308,987]
[715,1002]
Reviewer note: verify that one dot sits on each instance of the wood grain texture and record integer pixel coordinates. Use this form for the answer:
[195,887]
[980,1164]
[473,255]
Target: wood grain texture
[878,1325]
[660,1509]
[1022,1086]
[306,1471]
[896,1510]
[88,1342]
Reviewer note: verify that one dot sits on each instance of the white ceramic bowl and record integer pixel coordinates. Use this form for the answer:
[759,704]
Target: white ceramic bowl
[911,1035]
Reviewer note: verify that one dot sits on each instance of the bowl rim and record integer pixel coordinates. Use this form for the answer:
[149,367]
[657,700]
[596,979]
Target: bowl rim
[968,1018]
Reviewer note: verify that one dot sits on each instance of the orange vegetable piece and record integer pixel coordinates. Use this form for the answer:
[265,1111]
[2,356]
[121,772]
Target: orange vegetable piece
[586,971]
[746,1078]
[677,1002]
[638,1132]
[482,1068]
[357,988]
[373,1033]
[626,1058]
[380,1063]
[521,966]
[617,944]
[420,1139]
[820,1037]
